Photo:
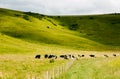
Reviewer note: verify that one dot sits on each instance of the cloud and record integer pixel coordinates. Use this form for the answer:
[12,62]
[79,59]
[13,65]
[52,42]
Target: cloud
[56,7]
[24,5]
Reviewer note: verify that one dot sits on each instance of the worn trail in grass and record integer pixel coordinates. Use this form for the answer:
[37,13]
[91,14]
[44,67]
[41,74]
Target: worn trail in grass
[95,68]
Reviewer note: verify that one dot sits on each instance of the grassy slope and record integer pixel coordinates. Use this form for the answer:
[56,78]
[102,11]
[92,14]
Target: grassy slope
[98,68]
[45,30]
[22,37]
[104,29]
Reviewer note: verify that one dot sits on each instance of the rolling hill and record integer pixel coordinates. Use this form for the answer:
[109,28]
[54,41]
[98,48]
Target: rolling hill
[28,32]
[25,34]
[104,29]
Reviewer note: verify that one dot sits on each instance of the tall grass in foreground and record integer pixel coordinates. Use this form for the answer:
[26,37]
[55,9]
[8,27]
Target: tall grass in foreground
[19,66]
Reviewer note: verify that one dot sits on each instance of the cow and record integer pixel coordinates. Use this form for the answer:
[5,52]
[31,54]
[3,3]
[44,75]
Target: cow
[82,55]
[52,56]
[64,56]
[55,57]
[92,55]
[70,56]
[37,56]
[73,56]
[106,55]
[46,55]
[114,55]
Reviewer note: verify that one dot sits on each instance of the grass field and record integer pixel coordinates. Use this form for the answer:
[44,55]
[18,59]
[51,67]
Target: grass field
[25,34]
[99,28]
[95,68]
[19,66]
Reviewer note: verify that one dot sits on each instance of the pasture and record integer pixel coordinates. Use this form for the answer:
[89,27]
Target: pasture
[94,68]
[23,35]
[18,66]
[21,65]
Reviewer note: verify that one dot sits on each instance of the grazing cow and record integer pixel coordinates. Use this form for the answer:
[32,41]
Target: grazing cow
[82,55]
[114,55]
[37,56]
[106,55]
[73,56]
[64,56]
[70,56]
[92,55]
[46,55]
[55,56]
[52,56]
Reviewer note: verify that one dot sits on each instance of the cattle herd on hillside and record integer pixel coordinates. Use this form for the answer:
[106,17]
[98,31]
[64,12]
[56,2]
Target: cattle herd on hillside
[69,56]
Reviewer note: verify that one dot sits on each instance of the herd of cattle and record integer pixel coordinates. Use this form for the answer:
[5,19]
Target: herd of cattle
[69,56]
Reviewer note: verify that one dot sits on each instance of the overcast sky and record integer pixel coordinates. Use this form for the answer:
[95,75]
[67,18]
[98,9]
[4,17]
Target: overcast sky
[57,7]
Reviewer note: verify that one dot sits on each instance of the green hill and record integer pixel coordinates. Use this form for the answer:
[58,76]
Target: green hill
[27,32]
[104,29]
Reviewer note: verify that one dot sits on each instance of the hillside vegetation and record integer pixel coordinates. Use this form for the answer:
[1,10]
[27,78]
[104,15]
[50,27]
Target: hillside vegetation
[104,29]
[100,32]
[23,35]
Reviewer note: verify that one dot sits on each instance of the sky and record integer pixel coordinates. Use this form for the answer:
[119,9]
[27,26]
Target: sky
[63,7]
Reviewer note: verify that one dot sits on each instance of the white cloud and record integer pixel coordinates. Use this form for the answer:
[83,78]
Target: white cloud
[63,6]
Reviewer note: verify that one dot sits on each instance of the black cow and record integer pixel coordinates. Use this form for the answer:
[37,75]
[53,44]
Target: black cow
[92,55]
[70,56]
[52,56]
[55,56]
[46,55]
[64,56]
[106,55]
[37,56]
[82,55]
[73,56]
[114,55]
